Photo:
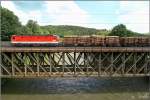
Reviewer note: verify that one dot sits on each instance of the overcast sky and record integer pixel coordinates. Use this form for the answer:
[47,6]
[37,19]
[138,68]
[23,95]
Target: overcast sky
[94,14]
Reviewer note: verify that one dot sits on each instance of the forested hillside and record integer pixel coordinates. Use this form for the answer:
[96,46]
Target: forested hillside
[72,30]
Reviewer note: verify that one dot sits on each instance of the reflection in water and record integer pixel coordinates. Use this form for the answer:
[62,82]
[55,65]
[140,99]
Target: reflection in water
[85,88]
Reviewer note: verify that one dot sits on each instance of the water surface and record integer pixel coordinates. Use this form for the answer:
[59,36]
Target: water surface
[82,88]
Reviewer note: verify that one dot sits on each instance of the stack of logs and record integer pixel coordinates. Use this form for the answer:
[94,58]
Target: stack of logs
[98,41]
[106,41]
[135,41]
[69,40]
[83,41]
[112,41]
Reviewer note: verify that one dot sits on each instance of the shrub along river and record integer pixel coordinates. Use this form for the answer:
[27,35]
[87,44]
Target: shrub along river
[79,88]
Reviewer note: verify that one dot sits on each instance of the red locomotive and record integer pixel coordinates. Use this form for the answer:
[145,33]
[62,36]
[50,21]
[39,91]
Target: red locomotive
[21,40]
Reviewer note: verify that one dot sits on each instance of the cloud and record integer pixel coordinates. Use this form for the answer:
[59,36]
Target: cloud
[54,13]
[135,15]
[35,15]
[11,6]
[66,13]
[23,16]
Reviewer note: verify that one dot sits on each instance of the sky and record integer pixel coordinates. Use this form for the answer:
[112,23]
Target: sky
[92,14]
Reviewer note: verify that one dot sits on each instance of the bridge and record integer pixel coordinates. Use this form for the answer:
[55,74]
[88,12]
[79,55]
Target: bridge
[36,62]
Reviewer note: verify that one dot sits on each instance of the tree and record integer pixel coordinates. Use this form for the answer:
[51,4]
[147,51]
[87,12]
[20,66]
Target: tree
[34,27]
[9,24]
[119,30]
[25,31]
[45,32]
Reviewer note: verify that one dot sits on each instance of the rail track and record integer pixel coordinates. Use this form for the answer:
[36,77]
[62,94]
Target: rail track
[8,47]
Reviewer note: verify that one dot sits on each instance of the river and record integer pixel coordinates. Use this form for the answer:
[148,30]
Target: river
[79,88]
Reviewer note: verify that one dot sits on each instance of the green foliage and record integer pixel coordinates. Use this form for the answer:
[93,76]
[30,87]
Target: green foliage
[33,27]
[121,30]
[72,30]
[9,24]
[25,30]
[103,32]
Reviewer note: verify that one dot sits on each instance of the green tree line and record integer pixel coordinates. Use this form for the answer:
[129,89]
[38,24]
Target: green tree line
[10,25]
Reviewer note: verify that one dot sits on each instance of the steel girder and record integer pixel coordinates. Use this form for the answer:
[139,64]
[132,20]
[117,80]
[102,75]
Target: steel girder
[48,64]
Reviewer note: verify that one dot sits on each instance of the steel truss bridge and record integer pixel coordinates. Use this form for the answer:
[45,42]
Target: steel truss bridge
[19,62]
